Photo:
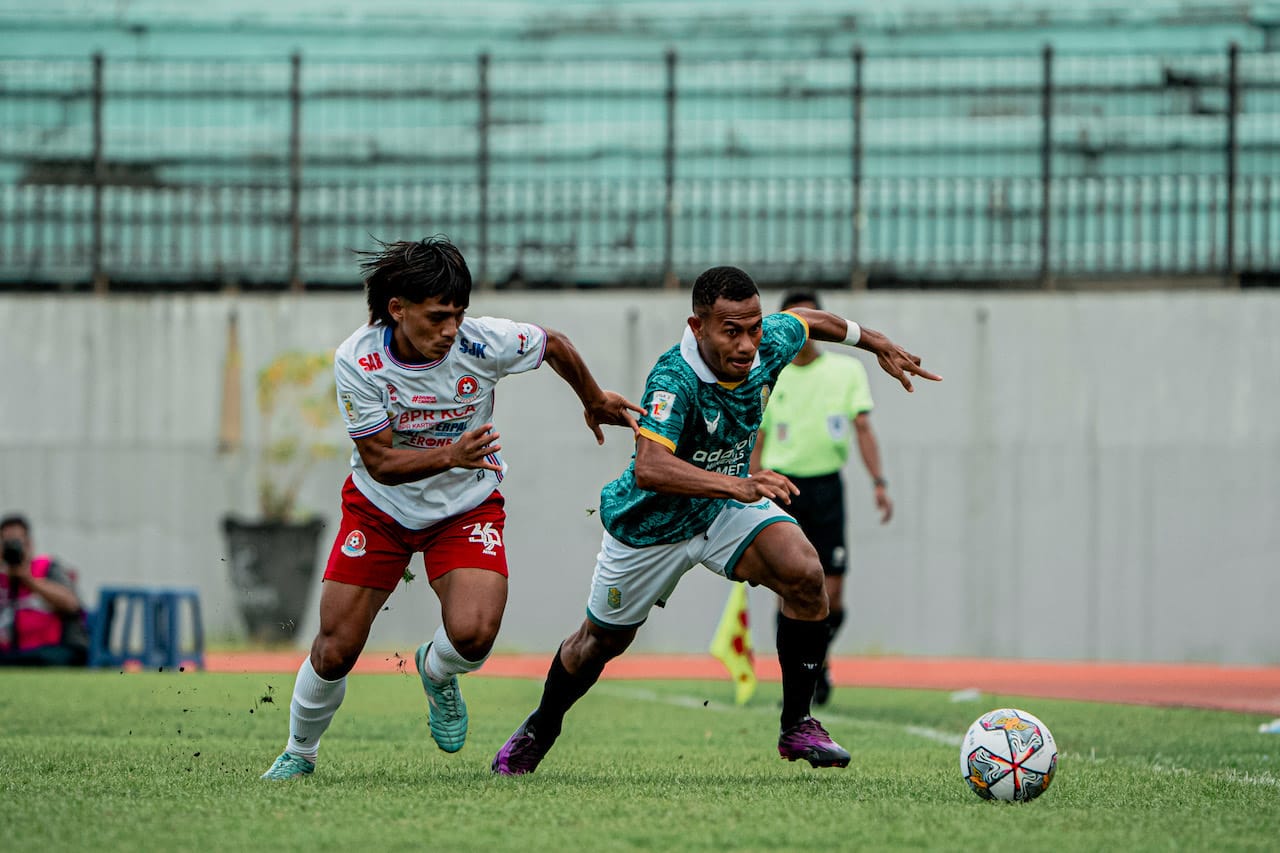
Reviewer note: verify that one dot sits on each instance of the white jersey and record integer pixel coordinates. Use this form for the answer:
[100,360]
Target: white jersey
[430,405]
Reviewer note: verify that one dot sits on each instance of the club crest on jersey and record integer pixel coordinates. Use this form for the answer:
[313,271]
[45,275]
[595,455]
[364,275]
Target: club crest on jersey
[764,397]
[660,405]
[712,423]
[353,545]
[468,389]
[349,406]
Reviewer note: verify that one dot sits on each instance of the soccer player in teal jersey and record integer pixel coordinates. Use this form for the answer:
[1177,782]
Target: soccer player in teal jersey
[687,499]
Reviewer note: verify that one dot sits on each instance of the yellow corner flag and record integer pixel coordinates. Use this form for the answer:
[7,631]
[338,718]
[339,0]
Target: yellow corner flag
[732,644]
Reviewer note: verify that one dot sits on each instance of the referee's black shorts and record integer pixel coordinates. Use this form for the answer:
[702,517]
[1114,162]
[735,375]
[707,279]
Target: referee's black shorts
[819,509]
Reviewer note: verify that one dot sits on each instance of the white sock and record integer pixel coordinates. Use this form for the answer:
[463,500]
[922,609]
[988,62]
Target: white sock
[444,661]
[315,701]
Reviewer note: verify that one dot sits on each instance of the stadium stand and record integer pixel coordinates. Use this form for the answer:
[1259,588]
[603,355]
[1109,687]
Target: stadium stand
[924,143]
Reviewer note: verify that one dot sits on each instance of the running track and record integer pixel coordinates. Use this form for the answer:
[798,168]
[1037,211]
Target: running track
[1253,690]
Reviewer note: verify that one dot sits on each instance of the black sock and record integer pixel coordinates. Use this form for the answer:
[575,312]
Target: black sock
[559,692]
[835,619]
[800,649]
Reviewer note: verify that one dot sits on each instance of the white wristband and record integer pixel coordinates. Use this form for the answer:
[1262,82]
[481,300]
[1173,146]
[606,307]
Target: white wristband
[852,335]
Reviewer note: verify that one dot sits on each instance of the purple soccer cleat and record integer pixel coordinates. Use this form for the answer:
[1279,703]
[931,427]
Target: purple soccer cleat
[521,753]
[808,740]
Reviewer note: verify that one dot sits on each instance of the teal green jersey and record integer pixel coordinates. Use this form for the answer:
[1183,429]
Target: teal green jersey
[705,422]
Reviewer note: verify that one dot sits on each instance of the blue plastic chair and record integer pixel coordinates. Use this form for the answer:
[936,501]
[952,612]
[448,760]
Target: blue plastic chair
[153,615]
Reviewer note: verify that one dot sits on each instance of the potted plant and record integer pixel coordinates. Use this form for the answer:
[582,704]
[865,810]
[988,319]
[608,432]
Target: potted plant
[273,557]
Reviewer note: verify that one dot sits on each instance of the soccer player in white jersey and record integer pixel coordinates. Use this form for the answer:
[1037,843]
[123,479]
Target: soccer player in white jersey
[687,498]
[415,387]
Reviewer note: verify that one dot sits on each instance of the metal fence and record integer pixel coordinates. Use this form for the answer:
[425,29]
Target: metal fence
[1030,168]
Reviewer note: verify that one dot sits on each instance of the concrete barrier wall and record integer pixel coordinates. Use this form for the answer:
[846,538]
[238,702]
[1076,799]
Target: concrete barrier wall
[1098,476]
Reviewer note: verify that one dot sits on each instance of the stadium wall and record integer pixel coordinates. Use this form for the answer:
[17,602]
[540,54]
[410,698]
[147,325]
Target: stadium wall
[1095,479]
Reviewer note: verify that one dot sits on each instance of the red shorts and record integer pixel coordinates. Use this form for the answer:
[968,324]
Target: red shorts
[372,549]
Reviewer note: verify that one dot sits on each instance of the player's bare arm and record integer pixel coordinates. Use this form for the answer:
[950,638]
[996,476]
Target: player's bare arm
[598,406]
[894,360]
[395,465]
[660,470]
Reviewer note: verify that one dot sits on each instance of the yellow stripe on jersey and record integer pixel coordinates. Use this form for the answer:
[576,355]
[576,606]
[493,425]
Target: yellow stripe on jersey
[661,439]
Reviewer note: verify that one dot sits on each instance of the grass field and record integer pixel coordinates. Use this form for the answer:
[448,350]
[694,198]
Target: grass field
[165,761]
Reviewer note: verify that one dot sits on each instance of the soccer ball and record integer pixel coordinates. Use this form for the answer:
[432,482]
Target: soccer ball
[1008,755]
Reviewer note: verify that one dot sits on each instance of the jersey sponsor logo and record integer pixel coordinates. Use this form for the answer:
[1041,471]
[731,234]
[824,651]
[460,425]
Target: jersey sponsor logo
[523,346]
[486,535]
[765,391]
[420,440]
[615,597]
[712,425]
[370,362]
[354,544]
[729,460]
[391,391]
[468,389]
[424,418]
[660,405]
[471,348]
[349,406]
[424,398]
[450,428]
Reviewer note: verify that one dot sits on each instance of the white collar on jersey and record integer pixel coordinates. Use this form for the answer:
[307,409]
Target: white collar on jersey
[689,352]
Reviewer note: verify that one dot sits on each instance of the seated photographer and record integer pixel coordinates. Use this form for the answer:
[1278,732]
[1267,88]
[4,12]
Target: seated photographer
[41,620]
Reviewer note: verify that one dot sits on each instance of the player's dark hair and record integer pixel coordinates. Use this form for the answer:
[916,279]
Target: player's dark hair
[796,297]
[16,519]
[415,271]
[728,283]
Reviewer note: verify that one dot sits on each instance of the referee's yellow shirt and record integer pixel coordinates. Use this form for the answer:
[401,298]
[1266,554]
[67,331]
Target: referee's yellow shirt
[809,417]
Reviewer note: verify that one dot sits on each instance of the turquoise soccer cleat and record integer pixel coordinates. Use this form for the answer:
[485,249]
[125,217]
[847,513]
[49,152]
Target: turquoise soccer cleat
[446,712]
[289,766]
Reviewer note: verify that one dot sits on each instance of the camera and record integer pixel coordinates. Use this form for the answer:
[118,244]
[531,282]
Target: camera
[12,552]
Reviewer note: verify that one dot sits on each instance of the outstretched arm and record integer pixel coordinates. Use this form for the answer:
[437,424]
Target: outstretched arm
[660,470]
[598,406]
[894,360]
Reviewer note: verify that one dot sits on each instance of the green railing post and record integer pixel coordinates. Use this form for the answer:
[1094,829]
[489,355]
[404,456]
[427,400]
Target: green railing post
[669,279]
[482,168]
[295,172]
[1233,155]
[1046,168]
[98,273]
[857,277]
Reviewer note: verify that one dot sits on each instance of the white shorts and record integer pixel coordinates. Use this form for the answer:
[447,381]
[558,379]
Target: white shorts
[629,581]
